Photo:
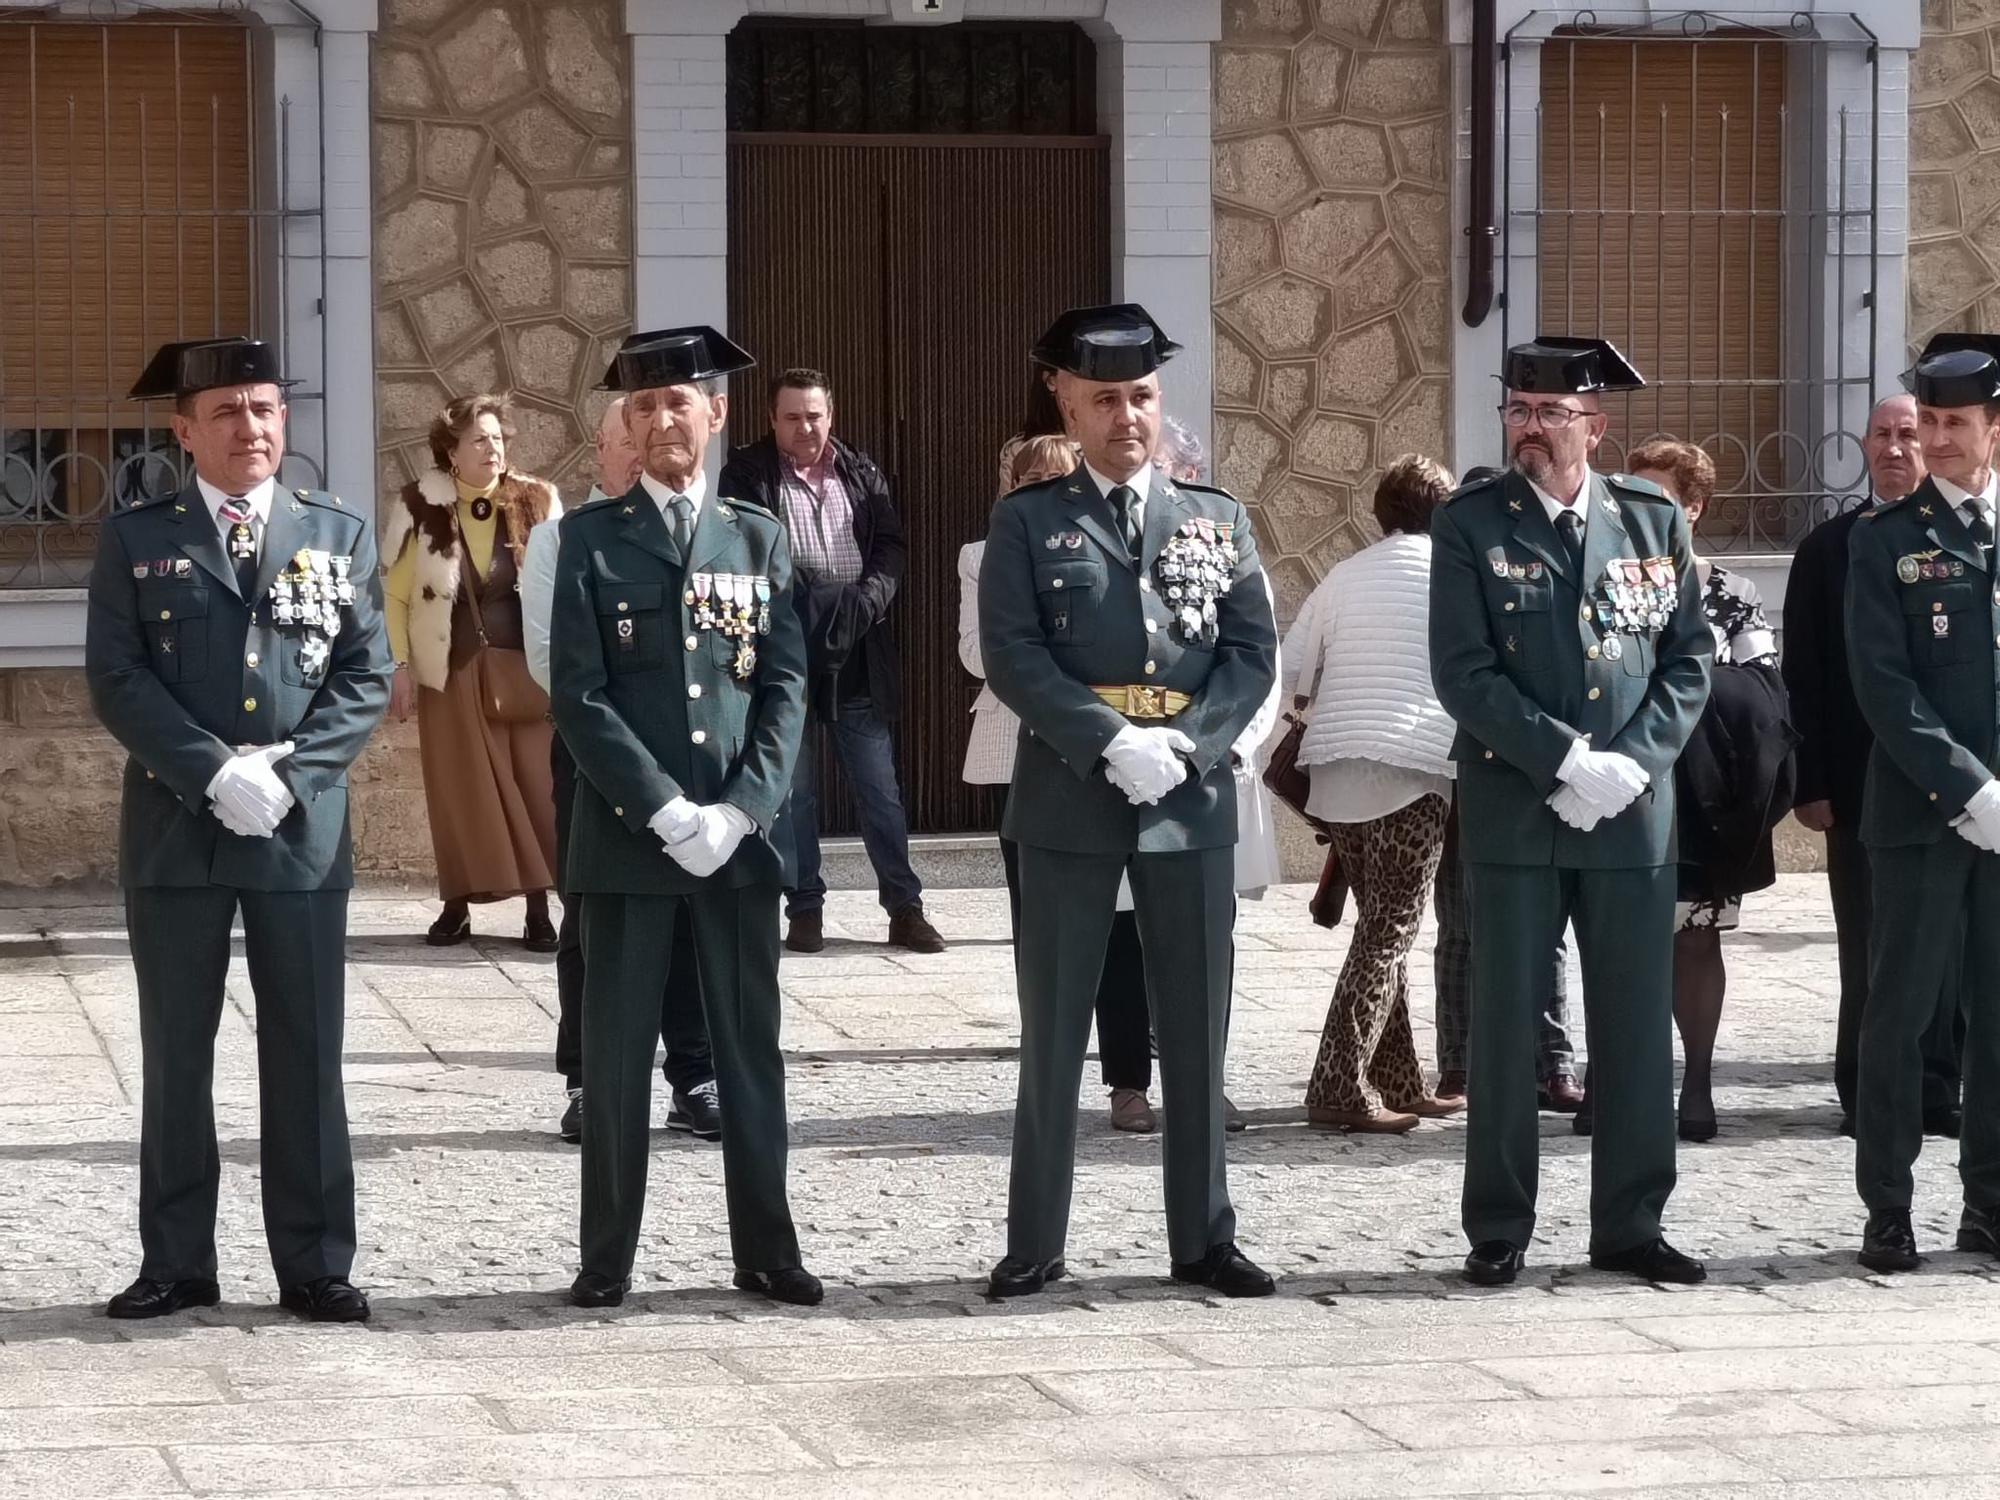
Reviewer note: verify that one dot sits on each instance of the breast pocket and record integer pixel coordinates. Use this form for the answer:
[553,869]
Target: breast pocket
[1520,615]
[175,620]
[1638,657]
[1943,624]
[1068,592]
[632,624]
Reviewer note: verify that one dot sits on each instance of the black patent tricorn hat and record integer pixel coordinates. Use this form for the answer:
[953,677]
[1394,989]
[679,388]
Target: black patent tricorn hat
[1956,369]
[1569,367]
[195,365]
[1118,342]
[673,356]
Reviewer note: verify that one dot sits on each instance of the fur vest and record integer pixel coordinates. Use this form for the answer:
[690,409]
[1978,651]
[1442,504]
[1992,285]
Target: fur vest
[425,515]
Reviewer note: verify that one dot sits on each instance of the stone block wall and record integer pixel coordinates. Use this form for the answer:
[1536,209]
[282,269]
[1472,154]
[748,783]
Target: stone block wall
[1955,170]
[1332,259]
[503,220]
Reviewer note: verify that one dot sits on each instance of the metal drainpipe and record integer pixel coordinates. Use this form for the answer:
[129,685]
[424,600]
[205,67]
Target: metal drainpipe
[1480,228]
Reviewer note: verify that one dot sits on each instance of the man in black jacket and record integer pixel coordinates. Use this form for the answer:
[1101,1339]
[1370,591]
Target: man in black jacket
[1833,757]
[848,556]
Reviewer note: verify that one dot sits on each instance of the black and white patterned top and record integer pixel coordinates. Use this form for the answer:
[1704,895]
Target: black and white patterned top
[1735,613]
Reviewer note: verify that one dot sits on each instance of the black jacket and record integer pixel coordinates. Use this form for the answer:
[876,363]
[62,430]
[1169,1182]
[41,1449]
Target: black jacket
[850,639]
[1734,784]
[1834,738]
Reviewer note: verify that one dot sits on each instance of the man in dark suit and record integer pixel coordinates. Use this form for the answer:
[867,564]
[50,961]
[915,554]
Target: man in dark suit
[1833,758]
[1923,604]
[236,649]
[677,677]
[1568,643]
[849,555]
[1123,617]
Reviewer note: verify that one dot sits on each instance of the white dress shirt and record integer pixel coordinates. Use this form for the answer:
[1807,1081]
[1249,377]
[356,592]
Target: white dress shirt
[664,497]
[1140,484]
[1964,500]
[1556,508]
[214,499]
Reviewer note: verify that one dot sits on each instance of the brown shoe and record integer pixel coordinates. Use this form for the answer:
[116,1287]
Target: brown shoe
[1131,1110]
[806,933]
[1364,1121]
[1433,1106]
[1561,1094]
[910,929]
[1452,1084]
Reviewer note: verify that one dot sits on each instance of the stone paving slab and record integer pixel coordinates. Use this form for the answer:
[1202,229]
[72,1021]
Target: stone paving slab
[1792,1375]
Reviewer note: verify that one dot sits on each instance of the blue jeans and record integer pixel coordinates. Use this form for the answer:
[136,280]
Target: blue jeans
[867,756]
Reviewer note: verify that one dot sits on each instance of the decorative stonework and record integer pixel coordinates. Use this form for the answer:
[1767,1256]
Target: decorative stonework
[1955,170]
[1332,265]
[503,220]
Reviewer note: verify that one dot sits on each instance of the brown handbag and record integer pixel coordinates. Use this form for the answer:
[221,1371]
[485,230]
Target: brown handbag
[508,693]
[1289,781]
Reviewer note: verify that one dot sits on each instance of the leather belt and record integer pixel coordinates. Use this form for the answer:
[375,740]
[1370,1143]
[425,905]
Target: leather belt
[1138,700]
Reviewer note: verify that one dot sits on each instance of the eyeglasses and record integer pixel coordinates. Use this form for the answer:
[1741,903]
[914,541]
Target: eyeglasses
[1553,418]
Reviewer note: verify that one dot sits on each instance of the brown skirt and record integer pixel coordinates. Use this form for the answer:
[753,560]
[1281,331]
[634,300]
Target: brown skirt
[487,786]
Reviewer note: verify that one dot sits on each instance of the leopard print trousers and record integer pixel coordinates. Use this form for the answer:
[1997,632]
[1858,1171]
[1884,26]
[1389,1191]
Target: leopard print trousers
[1367,1055]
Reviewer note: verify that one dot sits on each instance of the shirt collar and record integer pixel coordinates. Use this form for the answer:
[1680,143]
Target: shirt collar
[1140,484]
[663,497]
[259,498]
[815,476]
[1555,507]
[1958,497]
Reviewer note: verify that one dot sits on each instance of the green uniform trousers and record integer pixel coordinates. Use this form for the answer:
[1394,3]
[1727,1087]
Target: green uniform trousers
[1185,903]
[1935,904]
[296,945]
[1624,938]
[628,943]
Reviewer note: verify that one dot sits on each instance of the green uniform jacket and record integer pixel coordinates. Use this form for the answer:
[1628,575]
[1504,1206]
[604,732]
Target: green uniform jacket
[1921,617]
[1063,608]
[181,670]
[649,703]
[1519,658]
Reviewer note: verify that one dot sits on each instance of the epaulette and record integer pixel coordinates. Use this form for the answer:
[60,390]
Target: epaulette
[1476,487]
[585,507]
[325,501]
[754,507]
[1639,489]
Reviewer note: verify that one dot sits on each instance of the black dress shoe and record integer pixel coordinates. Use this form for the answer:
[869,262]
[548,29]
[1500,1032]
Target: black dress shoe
[806,933]
[450,927]
[793,1284]
[1947,1121]
[1015,1277]
[146,1298]
[1979,1230]
[1657,1261]
[1696,1128]
[571,1128]
[1494,1263]
[696,1112]
[1846,1125]
[592,1290]
[538,935]
[1228,1271]
[1888,1243]
[331,1299]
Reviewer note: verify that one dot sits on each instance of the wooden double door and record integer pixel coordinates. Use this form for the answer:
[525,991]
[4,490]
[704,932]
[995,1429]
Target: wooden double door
[916,272]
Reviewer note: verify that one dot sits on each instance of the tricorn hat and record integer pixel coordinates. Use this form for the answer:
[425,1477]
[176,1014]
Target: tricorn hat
[1569,367]
[673,356]
[1956,369]
[1119,342]
[195,365]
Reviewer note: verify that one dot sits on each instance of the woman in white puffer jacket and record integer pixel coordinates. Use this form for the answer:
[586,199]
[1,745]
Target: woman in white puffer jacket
[1377,746]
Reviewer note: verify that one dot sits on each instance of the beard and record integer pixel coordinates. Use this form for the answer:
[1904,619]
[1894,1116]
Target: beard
[1535,461]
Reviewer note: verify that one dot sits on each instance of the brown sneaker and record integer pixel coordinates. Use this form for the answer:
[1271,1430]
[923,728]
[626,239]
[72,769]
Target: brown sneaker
[805,933]
[910,929]
[1131,1110]
[1365,1121]
[1432,1106]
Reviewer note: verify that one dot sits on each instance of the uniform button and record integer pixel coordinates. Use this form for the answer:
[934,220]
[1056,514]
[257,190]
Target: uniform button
[1594,694]
[692,642]
[688,597]
[699,737]
[250,660]
[1058,583]
[249,705]
[618,811]
[1151,626]
[623,606]
[1593,653]
[1489,755]
[1584,614]
[1933,796]
[166,614]
[1150,668]
[1508,606]
[1145,585]
[694,690]
[150,776]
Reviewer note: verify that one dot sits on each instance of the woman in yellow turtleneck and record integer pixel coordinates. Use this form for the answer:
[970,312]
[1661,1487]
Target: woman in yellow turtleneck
[454,539]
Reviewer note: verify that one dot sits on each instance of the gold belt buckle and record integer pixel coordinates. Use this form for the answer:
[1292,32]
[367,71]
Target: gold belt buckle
[1142,702]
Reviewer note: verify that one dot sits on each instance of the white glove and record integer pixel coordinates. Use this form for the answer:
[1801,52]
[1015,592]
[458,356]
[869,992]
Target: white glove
[248,798]
[719,828]
[1605,779]
[675,821]
[1979,824]
[1570,806]
[1146,764]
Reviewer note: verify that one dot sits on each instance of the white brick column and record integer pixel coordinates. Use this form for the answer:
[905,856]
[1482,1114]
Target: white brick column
[336,141]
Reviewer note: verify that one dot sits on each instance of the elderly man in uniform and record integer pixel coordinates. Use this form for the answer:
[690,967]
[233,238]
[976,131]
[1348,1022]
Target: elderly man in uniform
[1122,617]
[1567,641]
[1923,609]
[236,649]
[677,678]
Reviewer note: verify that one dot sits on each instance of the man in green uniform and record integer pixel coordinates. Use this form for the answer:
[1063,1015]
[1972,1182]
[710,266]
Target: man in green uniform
[236,649]
[1567,640]
[677,677]
[1124,618]
[1923,609]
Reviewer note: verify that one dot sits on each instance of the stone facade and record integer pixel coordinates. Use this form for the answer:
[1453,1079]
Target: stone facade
[1332,265]
[503,220]
[1955,169]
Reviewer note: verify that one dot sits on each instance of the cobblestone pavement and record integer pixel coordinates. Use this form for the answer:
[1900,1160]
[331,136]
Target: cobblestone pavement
[1374,1373]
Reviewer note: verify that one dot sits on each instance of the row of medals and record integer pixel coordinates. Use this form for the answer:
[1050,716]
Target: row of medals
[311,592]
[1636,596]
[1194,569]
[740,609]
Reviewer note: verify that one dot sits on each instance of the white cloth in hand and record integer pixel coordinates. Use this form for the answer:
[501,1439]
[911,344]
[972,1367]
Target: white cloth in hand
[718,829]
[675,821]
[248,798]
[1571,806]
[1146,764]
[1605,779]
[1979,825]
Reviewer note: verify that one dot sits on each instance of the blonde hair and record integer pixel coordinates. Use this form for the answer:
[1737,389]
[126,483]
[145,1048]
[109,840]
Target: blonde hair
[1039,454]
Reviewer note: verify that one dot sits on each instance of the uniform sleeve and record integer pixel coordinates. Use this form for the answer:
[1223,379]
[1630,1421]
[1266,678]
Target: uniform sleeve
[355,695]
[1804,664]
[761,779]
[1246,658]
[1907,728]
[538,587]
[396,590]
[1683,658]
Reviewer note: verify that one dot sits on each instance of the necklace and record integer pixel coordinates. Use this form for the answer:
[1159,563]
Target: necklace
[482,509]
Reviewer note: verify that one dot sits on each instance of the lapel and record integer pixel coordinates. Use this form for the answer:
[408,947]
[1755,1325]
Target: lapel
[1532,527]
[288,530]
[1945,526]
[646,529]
[1603,535]
[199,540]
[1093,514]
[714,533]
[1166,508]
